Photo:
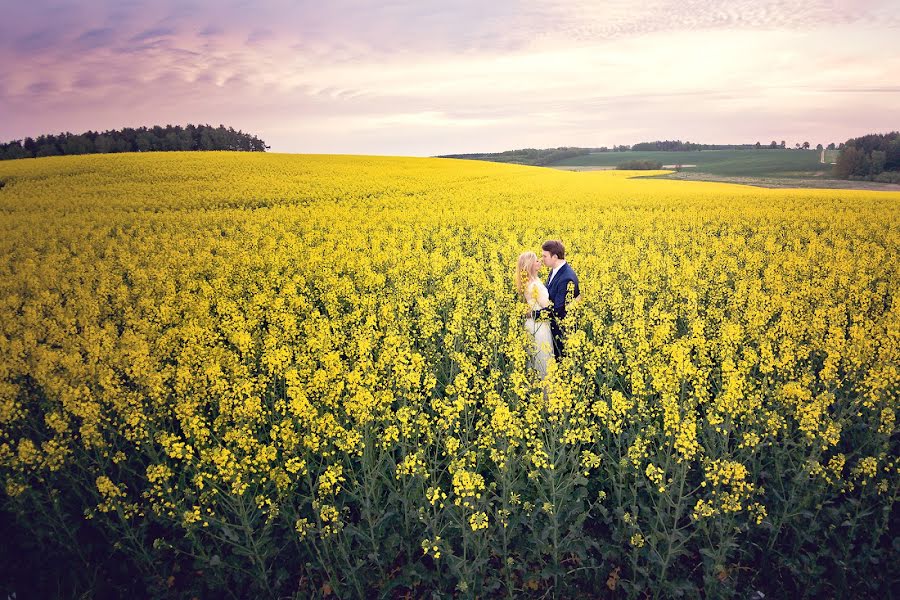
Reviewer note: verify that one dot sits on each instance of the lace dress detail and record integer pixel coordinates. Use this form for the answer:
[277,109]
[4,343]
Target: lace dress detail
[536,295]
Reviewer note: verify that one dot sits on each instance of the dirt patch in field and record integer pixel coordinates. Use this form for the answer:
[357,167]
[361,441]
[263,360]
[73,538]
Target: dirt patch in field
[788,182]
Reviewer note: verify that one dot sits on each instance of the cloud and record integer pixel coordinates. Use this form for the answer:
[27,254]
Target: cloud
[211,31]
[95,38]
[40,88]
[87,80]
[37,41]
[153,34]
[508,73]
[259,35]
[589,20]
[886,89]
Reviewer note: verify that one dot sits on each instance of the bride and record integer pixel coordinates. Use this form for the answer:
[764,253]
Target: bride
[534,294]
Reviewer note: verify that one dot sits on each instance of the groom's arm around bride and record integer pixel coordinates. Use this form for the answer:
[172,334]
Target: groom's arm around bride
[562,285]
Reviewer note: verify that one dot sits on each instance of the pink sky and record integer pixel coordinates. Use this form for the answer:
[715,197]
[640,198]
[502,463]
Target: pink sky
[425,78]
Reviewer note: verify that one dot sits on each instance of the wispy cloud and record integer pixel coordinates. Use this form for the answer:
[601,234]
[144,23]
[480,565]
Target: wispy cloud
[94,38]
[37,41]
[153,34]
[39,88]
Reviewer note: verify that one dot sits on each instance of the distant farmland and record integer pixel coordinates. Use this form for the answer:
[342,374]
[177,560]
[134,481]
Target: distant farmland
[732,163]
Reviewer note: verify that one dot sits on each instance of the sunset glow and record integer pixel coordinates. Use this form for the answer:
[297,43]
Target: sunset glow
[424,78]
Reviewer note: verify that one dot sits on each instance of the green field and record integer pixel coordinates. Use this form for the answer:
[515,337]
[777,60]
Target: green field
[737,163]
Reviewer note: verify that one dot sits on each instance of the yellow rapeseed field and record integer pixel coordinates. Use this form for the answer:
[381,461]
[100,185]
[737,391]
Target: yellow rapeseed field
[313,369]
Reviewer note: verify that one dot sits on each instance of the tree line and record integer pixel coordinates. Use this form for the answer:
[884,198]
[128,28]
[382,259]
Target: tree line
[141,139]
[679,146]
[527,156]
[872,157]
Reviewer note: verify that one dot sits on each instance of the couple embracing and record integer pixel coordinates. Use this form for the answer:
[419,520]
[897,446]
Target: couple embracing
[546,303]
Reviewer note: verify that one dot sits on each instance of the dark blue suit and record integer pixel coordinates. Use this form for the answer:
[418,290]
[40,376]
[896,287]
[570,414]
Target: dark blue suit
[564,282]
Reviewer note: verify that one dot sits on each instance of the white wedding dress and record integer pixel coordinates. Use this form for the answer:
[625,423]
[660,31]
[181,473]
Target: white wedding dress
[536,296]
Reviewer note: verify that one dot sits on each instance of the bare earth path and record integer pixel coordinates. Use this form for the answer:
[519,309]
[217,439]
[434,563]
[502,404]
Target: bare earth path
[789,182]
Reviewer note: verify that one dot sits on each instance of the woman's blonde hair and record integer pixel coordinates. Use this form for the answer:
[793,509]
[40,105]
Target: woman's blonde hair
[523,271]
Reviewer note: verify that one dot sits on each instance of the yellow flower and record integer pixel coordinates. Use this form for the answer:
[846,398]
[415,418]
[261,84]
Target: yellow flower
[285,328]
[478,521]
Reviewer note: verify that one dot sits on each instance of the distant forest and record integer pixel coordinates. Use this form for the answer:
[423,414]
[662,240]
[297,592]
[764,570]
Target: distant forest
[142,139]
[548,156]
[872,157]
[679,146]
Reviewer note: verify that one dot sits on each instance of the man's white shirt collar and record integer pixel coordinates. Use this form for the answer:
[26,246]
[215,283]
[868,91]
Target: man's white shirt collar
[554,271]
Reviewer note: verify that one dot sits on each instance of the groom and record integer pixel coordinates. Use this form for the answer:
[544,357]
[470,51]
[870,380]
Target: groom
[560,285]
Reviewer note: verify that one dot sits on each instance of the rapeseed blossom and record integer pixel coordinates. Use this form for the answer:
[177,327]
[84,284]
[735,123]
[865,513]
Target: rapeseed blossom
[199,338]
